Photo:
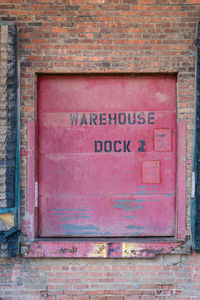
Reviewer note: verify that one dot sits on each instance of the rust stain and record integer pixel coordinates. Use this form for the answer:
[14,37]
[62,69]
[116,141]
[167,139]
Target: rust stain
[131,249]
[103,249]
[63,250]
[72,250]
[134,250]
[99,250]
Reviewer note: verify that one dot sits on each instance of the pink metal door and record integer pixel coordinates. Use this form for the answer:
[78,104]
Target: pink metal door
[107,156]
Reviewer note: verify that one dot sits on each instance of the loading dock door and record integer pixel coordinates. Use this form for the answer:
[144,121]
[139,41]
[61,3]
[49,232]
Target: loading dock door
[106,156]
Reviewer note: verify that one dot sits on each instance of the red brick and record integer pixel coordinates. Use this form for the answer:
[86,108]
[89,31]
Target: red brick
[131,297]
[115,298]
[98,298]
[81,298]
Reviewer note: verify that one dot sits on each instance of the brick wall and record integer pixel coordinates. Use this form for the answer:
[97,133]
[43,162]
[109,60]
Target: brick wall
[165,277]
[103,36]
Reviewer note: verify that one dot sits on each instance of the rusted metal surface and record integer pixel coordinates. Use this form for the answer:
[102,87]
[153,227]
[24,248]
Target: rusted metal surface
[107,156]
[101,249]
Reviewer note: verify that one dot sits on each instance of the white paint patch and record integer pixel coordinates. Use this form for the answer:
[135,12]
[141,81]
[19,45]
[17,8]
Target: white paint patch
[36,194]
[161,97]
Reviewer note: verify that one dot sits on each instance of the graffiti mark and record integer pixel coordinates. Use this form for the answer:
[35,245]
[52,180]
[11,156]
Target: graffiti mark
[63,250]
[113,249]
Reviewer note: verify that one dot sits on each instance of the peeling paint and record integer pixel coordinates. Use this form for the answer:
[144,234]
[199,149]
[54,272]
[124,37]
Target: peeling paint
[75,217]
[79,227]
[76,230]
[147,192]
[130,227]
[99,250]
[70,209]
[127,205]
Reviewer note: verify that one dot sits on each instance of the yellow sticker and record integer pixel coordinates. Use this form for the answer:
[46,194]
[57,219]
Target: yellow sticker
[99,250]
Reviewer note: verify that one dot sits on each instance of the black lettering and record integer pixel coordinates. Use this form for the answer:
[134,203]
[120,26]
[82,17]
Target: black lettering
[74,119]
[151,118]
[141,148]
[112,118]
[102,118]
[98,149]
[142,119]
[115,146]
[126,146]
[93,118]
[109,148]
[122,118]
[129,119]
[83,120]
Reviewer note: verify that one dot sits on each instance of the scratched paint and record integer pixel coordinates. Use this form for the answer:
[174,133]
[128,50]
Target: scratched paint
[70,214]
[74,217]
[79,227]
[127,205]
[147,192]
[69,209]
[107,167]
[135,227]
